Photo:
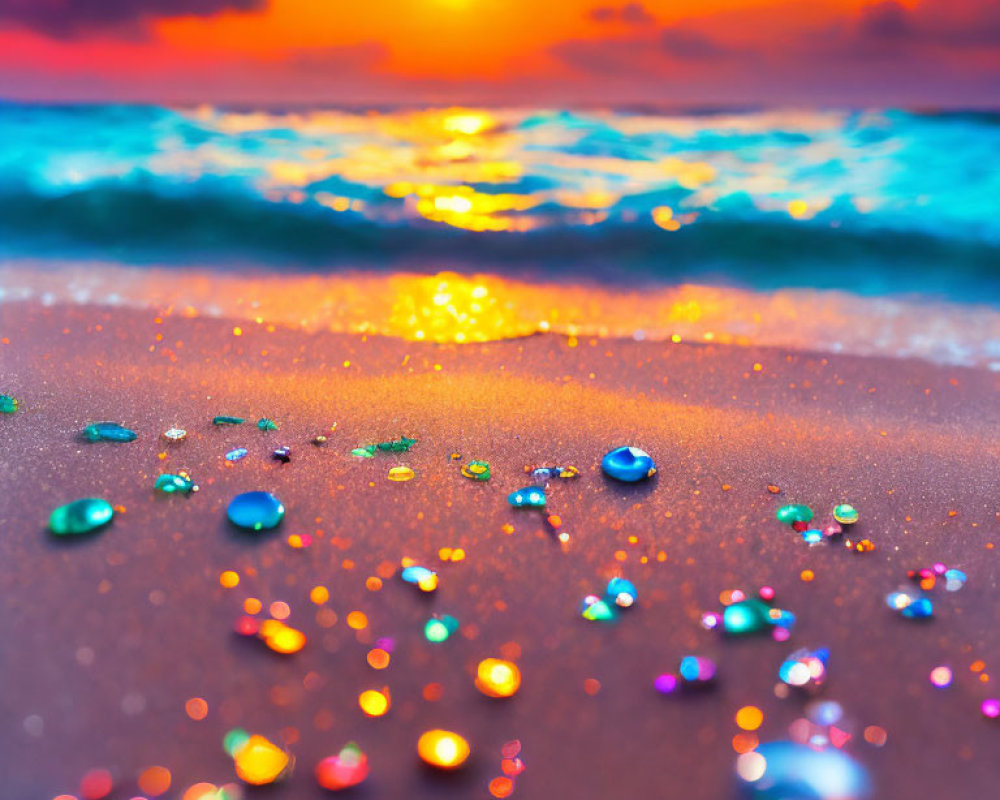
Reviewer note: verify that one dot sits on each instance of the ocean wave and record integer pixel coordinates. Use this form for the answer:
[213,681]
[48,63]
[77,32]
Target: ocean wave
[138,225]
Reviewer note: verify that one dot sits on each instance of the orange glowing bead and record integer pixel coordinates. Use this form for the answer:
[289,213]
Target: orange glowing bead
[279,609]
[200,791]
[260,762]
[196,708]
[807,575]
[319,595]
[229,579]
[749,718]
[154,781]
[373,584]
[283,639]
[442,749]
[252,605]
[356,620]
[378,658]
[375,703]
[501,787]
[497,678]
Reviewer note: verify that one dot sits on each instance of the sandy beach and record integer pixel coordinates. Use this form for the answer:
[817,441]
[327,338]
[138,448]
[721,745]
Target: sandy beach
[106,637]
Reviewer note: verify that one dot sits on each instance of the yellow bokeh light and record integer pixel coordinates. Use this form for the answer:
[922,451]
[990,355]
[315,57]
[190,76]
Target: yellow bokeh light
[374,703]
[749,718]
[443,749]
[497,678]
[259,761]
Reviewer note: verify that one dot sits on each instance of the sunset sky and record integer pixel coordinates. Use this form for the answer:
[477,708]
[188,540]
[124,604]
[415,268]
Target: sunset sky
[684,52]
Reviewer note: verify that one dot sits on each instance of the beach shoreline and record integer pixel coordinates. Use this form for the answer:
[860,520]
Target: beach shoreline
[107,637]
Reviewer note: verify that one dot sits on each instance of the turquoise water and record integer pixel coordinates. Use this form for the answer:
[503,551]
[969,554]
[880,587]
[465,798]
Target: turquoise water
[873,202]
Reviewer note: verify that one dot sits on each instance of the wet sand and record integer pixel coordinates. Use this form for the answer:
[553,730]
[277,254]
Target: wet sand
[105,638]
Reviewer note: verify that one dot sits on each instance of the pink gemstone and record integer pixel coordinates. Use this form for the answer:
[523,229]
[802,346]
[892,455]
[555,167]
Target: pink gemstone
[767,592]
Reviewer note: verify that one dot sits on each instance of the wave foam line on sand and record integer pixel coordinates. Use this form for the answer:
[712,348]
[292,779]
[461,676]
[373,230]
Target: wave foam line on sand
[454,308]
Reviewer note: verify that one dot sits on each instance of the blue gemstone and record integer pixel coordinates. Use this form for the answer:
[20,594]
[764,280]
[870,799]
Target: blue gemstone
[812,536]
[628,464]
[622,592]
[416,574]
[237,454]
[530,497]
[255,510]
[109,432]
[921,608]
[800,772]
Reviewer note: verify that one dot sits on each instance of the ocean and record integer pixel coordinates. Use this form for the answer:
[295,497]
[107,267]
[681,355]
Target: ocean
[819,219]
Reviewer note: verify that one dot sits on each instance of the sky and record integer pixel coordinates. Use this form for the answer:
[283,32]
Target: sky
[915,53]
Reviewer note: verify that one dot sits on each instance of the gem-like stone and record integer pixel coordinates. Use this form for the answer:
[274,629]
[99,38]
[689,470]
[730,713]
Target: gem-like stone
[800,772]
[400,445]
[81,516]
[794,513]
[255,510]
[260,762]
[442,749]
[596,610]
[227,420]
[622,592]
[347,768]
[8,404]
[804,668]
[266,424]
[171,484]
[954,579]
[439,629]
[236,454]
[109,432]
[746,616]
[174,434]
[425,579]
[281,638]
[319,440]
[529,497]
[812,536]
[477,470]
[401,474]
[282,454]
[665,683]
[364,452]
[845,514]
[920,608]
[498,678]
[629,464]
[696,671]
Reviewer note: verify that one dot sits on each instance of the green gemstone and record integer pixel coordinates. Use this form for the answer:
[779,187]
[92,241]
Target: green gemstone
[477,470]
[846,514]
[170,484]
[364,452]
[81,516]
[227,420]
[400,445]
[8,404]
[109,432]
[794,513]
[266,424]
[438,629]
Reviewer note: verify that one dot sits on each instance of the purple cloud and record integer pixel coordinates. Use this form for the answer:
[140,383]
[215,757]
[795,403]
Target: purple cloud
[68,19]
[630,13]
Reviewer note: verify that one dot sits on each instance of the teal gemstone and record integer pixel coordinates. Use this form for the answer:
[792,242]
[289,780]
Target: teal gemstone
[109,432]
[364,452]
[171,484]
[8,404]
[266,424]
[629,464]
[227,420]
[597,610]
[746,616]
[255,510]
[529,497]
[438,629]
[81,516]
[794,513]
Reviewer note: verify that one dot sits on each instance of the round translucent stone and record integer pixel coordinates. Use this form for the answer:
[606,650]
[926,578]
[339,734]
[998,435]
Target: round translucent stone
[629,464]
[794,513]
[109,432]
[255,510]
[845,514]
[529,497]
[81,516]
